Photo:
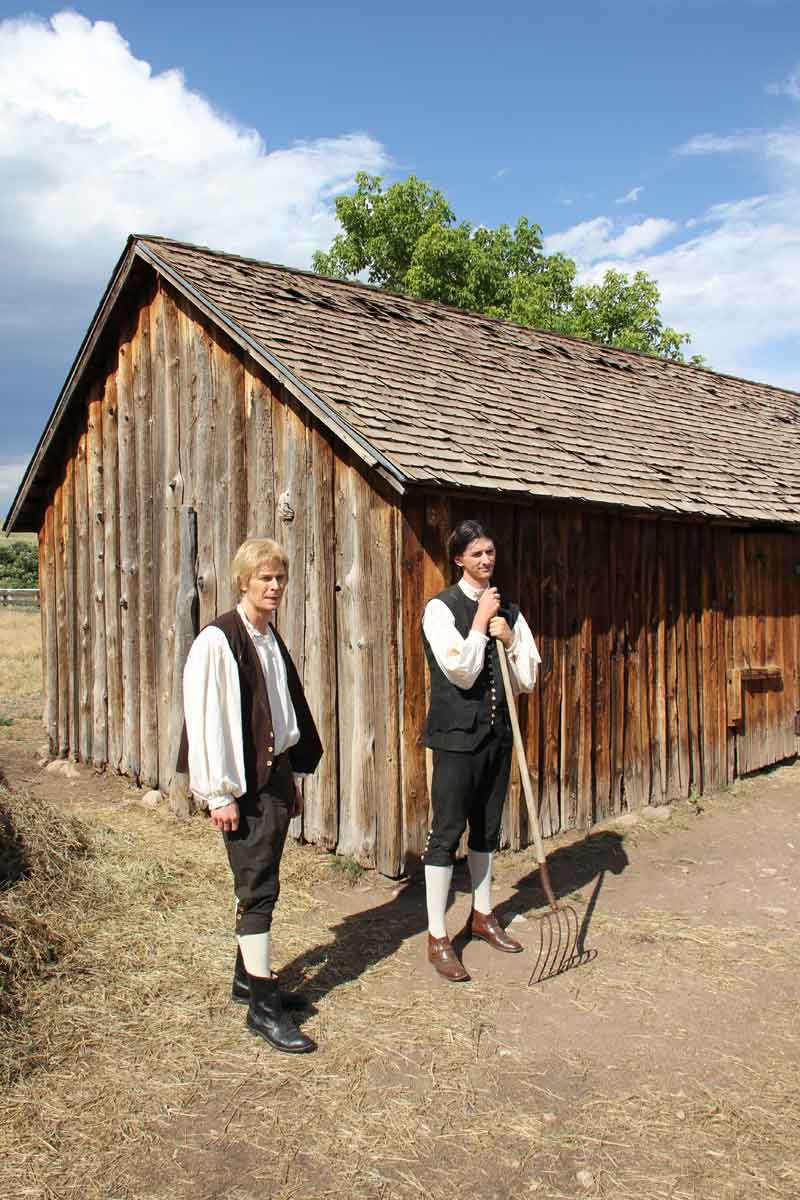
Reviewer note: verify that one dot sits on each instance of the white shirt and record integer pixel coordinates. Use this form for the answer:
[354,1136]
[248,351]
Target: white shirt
[213,709]
[461,659]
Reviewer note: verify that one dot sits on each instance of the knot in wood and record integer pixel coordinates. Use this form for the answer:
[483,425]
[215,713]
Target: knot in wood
[285,510]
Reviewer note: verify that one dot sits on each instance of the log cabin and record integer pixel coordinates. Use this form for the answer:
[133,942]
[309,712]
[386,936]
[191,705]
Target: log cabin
[647,515]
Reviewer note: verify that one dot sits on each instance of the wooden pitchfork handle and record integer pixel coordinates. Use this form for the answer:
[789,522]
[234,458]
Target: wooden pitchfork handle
[533,816]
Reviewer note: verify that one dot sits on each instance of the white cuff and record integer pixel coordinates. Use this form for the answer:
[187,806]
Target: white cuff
[219,801]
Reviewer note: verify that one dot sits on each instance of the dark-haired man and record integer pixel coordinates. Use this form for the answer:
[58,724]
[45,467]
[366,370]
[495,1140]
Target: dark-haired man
[469,731]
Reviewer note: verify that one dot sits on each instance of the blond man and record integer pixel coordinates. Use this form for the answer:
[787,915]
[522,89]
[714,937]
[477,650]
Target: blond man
[249,739]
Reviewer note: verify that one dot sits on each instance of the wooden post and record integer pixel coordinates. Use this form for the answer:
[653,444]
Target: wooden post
[96,518]
[83,603]
[47,594]
[321,814]
[129,567]
[145,500]
[185,633]
[111,560]
[61,624]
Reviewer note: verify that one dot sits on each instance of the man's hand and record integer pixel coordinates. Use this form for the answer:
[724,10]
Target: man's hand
[297,807]
[226,818]
[499,628]
[488,606]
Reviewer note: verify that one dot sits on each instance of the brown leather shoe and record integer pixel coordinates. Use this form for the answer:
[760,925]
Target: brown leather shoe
[487,927]
[442,955]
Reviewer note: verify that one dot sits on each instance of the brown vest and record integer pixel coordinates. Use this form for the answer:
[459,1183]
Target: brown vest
[257,732]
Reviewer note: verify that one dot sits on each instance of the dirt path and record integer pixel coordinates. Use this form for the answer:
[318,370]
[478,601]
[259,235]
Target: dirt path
[667,1067]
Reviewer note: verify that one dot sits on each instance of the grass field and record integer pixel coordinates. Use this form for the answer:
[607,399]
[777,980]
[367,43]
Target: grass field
[666,1070]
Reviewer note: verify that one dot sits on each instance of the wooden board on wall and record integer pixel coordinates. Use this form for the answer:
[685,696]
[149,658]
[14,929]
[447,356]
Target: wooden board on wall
[258,433]
[321,813]
[129,564]
[146,529]
[111,564]
[415,803]
[98,595]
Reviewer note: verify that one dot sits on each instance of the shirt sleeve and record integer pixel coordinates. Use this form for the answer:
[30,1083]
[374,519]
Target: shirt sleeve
[213,710]
[523,658]
[461,659]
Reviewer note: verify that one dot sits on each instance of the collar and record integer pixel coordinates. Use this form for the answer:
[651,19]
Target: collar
[255,634]
[468,590]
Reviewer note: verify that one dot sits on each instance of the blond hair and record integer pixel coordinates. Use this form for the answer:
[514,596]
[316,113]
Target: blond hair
[249,557]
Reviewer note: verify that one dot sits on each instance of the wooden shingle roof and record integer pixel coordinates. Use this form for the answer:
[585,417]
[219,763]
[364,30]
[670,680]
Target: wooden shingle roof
[457,399]
[435,396]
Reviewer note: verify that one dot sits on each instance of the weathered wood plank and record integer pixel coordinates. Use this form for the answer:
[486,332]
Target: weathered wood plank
[221,478]
[412,600]
[47,600]
[636,757]
[383,617]
[570,538]
[654,540]
[258,433]
[62,745]
[204,493]
[111,566]
[693,619]
[237,464]
[437,574]
[145,503]
[185,622]
[98,599]
[551,649]
[617,669]
[83,602]
[130,761]
[530,707]
[599,550]
[681,667]
[290,472]
[321,813]
[670,760]
[166,378]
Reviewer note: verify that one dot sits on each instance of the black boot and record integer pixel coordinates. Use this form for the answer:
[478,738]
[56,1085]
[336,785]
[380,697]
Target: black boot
[266,1017]
[240,991]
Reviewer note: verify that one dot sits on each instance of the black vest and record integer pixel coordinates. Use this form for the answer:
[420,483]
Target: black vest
[460,718]
[256,715]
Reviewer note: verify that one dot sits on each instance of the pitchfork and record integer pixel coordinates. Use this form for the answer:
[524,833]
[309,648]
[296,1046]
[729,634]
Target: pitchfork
[559,928]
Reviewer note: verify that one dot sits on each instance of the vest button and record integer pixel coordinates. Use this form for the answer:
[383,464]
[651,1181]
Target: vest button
[269,762]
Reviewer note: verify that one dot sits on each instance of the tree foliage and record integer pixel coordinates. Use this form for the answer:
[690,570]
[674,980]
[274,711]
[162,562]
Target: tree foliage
[19,564]
[405,238]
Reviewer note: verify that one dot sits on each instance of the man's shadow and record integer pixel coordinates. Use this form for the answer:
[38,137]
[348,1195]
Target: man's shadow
[363,939]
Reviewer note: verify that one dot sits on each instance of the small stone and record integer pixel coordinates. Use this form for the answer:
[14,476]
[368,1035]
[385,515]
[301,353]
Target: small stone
[585,1179]
[769,871]
[151,799]
[550,1118]
[56,766]
[775,912]
[680,1114]
[627,820]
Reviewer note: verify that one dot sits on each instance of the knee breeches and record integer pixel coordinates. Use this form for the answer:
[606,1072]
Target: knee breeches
[468,789]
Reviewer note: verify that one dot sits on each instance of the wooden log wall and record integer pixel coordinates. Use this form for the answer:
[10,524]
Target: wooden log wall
[182,424]
[639,623]
[671,651]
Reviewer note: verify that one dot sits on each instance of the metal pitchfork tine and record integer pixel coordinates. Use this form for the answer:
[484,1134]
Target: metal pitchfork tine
[559,929]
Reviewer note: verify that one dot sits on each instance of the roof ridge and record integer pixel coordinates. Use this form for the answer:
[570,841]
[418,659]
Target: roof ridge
[464,313]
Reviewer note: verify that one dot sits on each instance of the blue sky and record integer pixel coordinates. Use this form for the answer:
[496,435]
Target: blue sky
[662,134]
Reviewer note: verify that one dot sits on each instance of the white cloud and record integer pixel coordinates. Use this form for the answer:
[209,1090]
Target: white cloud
[501,173]
[602,237]
[94,146]
[781,146]
[630,197]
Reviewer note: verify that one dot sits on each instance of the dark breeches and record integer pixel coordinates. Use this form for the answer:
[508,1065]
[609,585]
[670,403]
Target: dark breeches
[255,849]
[468,788]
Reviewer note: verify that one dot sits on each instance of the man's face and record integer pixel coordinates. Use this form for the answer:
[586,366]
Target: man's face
[478,560]
[266,586]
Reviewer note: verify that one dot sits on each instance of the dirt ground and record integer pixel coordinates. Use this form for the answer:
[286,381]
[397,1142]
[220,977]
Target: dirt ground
[666,1067]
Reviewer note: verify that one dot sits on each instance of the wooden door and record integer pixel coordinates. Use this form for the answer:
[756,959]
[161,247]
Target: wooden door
[762,675]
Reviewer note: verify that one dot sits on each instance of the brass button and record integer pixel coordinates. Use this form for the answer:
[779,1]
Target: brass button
[269,762]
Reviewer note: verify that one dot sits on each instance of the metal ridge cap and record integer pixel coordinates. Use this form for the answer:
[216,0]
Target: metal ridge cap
[331,417]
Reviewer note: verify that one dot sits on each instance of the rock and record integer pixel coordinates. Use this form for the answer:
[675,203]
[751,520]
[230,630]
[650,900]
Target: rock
[63,766]
[56,766]
[627,820]
[657,812]
[549,1118]
[585,1179]
[151,799]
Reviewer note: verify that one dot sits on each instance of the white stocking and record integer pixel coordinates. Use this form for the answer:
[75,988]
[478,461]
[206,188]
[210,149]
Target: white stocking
[480,872]
[437,889]
[255,952]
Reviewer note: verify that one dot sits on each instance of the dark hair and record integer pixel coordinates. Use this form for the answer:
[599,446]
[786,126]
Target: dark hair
[464,533]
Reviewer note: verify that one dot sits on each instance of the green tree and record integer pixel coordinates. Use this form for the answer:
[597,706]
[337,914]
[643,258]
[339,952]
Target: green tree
[19,564]
[405,238]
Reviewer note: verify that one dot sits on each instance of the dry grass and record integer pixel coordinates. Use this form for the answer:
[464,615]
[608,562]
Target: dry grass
[129,1074]
[20,671]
